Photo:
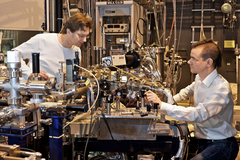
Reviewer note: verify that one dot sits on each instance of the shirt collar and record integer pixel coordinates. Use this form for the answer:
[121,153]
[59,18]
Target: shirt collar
[209,79]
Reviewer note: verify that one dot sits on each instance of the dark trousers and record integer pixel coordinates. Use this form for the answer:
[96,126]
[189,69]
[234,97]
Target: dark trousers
[226,149]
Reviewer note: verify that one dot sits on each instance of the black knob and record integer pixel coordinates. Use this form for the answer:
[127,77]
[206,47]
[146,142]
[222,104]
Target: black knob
[109,99]
[155,105]
[148,108]
[35,63]
[142,93]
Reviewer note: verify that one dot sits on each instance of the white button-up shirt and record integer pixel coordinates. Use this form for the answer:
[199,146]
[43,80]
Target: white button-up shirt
[213,111]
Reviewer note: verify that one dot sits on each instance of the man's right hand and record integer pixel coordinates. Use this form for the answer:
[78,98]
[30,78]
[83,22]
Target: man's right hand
[42,74]
[153,98]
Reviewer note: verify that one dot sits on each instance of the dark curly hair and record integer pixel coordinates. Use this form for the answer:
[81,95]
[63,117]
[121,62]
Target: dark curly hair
[210,50]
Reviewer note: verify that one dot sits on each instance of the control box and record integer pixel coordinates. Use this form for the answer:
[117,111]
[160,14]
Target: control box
[116,28]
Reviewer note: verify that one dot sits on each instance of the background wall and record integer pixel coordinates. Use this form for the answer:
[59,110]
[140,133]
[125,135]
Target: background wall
[21,15]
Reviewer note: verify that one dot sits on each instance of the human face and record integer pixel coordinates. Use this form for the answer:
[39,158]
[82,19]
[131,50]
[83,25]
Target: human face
[197,64]
[80,36]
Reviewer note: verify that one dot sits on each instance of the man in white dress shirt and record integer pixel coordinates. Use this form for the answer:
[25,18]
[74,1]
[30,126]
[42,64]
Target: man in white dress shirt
[212,113]
[55,47]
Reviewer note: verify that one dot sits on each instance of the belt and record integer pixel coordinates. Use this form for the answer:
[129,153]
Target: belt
[216,140]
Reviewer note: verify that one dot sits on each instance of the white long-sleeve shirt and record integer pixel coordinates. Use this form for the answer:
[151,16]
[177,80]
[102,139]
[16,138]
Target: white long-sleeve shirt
[213,111]
[51,53]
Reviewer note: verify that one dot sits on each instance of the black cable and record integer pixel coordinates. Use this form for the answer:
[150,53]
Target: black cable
[105,120]
[181,134]
[172,97]
[180,130]
[90,131]
[174,101]
[185,147]
[143,34]
[177,125]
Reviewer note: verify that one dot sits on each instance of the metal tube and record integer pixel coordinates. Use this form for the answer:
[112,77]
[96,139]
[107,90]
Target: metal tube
[13,65]
[100,55]
[160,61]
[156,22]
[129,40]
[72,93]
[96,54]
[7,116]
[12,158]
[69,70]
[103,43]
[52,16]
[118,104]
[59,15]
[142,103]
[89,98]
[47,21]
[164,24]
[36,118]
[103,102]
[109,108]
[25,153]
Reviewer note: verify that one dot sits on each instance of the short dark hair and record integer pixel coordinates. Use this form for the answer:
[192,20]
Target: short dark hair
[210,50]
[76,22]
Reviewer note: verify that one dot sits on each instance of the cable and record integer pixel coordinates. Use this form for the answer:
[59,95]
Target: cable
[170,32]
[185,152]
[93,102]
[172,65]
[180,75]
[172,92]
[91,88]
[175,102]
[137,78]
[68,8]
[97,86]
[143,34]
[202,35]
[180,30]
[161,15]
[92,92]
[181,132]
[104,118]
[180,129]
[90,131]
[156,22]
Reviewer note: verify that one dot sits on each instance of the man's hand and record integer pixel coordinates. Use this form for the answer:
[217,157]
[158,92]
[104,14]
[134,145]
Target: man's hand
[42,74]
[153,98]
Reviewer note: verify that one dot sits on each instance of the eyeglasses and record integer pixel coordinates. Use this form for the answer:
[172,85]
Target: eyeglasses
[81,36]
